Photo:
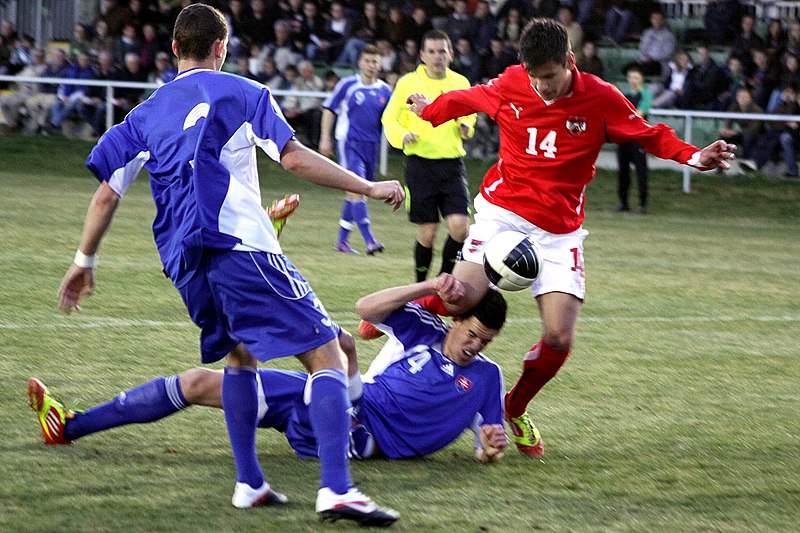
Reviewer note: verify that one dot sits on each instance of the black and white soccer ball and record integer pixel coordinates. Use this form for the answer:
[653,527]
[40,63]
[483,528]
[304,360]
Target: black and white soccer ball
[512,260]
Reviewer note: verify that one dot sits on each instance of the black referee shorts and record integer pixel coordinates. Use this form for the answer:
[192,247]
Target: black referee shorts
[435,187]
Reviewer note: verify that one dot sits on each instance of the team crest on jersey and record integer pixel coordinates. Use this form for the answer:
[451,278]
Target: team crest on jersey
[576,125]
[474,245]
[463,383]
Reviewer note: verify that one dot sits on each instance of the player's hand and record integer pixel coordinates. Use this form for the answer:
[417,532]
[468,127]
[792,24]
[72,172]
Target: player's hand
[325,147]
[409,138]
[77,283]
[391,192]
[717,155]
[464,130]
[417,102]
[448,288]
[493,441]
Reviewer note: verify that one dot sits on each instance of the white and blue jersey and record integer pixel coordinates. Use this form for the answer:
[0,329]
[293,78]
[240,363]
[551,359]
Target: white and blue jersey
[417,401]
[196,136]
[358,108]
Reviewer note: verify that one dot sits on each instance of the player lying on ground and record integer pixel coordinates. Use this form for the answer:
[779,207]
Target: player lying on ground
[429,383]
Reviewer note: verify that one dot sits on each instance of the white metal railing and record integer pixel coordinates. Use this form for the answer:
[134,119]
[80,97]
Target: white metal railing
[688,115]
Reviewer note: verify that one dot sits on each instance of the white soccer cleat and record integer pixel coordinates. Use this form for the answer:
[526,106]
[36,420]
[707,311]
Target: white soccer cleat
[245,496]
[353,505]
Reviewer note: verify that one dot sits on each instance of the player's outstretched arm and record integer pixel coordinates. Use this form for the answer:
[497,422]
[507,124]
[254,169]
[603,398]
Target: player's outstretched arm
[378,305]
[717,155]
[313,167]
[79,279]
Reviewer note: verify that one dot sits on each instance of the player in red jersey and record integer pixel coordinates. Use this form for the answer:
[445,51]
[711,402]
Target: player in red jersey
[553,122]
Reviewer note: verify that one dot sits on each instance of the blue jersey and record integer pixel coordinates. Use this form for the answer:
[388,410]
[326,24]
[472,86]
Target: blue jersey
[416,400]
[358,108]
[196,136]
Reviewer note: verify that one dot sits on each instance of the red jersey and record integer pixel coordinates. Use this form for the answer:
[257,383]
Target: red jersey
[548,150]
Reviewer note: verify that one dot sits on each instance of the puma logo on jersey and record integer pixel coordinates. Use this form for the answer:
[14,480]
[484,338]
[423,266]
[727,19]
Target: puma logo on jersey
[517,110]
[447,368]
[199,111]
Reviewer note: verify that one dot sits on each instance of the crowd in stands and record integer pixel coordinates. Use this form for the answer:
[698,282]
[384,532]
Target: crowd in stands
[308,44]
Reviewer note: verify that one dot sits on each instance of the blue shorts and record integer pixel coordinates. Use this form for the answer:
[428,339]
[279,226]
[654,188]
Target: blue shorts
[256,298]
[359,157]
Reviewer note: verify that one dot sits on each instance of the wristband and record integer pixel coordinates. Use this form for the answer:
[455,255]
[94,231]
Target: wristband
[85,261]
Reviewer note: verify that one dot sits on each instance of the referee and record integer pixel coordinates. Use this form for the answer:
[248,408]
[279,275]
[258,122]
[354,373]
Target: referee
[434,169]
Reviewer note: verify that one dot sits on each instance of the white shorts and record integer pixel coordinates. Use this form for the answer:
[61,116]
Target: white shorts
[563,269]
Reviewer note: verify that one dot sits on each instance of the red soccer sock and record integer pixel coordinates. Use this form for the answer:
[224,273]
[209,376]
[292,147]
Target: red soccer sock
[538,367]
[434,304]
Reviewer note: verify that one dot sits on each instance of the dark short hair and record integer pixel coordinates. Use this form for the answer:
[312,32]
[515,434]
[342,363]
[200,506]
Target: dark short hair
[490,311]
[436,35]
[197,27]
[543,40]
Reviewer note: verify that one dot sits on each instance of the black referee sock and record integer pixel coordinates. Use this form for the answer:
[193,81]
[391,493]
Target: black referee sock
[422,260]
[450,254]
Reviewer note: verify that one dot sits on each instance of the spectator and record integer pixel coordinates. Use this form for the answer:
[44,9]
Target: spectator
[793,38]
[80,42]
[165,71]
[497,61]
[71,98]
[486,27]
[151,46]
[258,27]
[304,112]
[466,61]
[330,80]
[619,21]
[141,13]
[39,104]
[419,24]
[271,76]
[388,55]
[632,152]
[238,17]
[734,71]
[789,75]
[656,47]
[312,29]
[704,82]
[102,40]
[587,60]
[243,68]
[566,16]
[396,27]
[11,104]
[94,112]
[127,43]
[408,57]
[8,35]
[282,49]
[764,77]
[338,29]
[369,28]
[672,88]
[510,28]
[784,134]
[460,23]
[720,21]
[21,53]
[126,99]
[115,15]
[746,42]
[744,132]
[775,40]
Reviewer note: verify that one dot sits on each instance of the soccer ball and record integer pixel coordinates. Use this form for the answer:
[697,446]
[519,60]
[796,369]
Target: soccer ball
[512,260]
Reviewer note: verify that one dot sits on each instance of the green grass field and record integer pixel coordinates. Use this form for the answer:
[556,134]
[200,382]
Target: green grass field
[678,409]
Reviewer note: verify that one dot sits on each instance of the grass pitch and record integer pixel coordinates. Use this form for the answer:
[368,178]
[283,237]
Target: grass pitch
[677,410]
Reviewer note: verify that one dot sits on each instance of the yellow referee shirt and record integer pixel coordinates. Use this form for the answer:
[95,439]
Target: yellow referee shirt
[441,142]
